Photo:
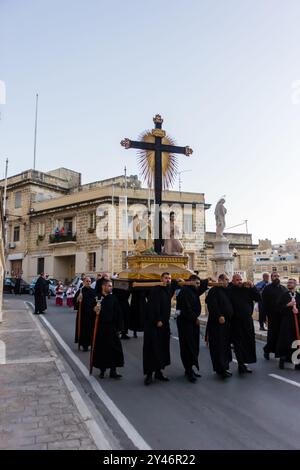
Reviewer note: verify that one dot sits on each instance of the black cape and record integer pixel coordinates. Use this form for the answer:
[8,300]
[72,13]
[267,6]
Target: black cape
[270,299]
[242,326]
[40,295]
[188,308]
[218,335]
[87,316]
[123,298]
[156,347]
[287,332]
[138,307]
[108,351]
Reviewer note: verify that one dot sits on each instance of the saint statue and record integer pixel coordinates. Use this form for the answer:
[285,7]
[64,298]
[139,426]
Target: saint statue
[220,212]
[172,244]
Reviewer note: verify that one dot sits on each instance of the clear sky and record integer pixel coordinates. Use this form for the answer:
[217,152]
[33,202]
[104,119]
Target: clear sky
[222,73]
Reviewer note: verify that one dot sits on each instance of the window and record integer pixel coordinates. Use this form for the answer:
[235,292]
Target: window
[16,233]
[68,226]
[18,198]
[40,265]
[274,269]
[188,223]
[41,229]
[92,220]
[92,261]
[285,268]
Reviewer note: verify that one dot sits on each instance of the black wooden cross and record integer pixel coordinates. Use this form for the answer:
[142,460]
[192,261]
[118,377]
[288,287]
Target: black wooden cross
[158,147]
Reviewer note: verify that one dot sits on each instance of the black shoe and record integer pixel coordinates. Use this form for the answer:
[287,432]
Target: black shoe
[191,378]
[135,335]
[281,363]
[297,366]
[114,375]
[125,337]
[196,374]
[159,376]
[224,374]
[85,349]
[243,369]
[267,355]
[101,375]
[148,379]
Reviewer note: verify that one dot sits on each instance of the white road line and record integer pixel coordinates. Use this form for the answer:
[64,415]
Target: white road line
[121,419]
[279,377]
[31,360]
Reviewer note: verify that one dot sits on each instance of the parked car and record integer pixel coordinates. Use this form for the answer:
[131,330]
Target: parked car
[9,285]
[52,286]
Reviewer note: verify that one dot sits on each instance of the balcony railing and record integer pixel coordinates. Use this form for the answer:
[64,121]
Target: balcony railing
[61,238]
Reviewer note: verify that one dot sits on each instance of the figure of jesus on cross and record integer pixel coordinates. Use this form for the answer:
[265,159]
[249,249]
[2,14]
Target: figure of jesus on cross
[158,147]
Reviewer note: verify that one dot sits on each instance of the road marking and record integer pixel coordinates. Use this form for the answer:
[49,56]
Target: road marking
[31,360]
[121,419]
[279,377]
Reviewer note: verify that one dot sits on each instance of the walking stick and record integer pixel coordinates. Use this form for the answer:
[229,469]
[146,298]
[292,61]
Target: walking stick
[94,336]
[79,320]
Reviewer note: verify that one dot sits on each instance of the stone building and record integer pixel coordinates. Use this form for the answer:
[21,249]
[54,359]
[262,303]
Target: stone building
[283,258]
[59,226]
[2,258]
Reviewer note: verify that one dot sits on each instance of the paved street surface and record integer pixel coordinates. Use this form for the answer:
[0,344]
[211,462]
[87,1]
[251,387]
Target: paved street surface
[257,411]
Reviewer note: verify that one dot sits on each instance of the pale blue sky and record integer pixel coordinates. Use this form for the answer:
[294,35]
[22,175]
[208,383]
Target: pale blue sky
[219,71]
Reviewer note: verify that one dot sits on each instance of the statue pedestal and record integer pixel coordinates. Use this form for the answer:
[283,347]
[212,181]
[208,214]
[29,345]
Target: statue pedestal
[222,260]
[149,267]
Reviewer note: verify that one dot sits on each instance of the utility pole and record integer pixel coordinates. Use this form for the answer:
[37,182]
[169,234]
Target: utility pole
[35,131]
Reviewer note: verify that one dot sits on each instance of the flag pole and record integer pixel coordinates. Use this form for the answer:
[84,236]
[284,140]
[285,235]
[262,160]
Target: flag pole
[35,130]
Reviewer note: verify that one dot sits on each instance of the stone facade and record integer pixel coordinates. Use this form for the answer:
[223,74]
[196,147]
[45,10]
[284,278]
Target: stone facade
[94,240]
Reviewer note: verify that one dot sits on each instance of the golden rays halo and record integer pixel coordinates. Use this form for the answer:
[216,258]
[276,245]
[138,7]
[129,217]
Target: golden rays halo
[146,160]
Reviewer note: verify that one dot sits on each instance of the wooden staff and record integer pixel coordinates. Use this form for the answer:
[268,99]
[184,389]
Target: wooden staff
[180,283]
[95,336]
[79,320]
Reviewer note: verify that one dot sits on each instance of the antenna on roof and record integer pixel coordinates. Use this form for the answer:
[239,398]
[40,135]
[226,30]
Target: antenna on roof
[35,130]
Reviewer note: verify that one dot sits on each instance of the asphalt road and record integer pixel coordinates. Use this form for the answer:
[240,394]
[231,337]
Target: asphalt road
[256,411]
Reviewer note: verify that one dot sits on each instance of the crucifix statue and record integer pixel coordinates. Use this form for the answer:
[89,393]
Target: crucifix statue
[158,162]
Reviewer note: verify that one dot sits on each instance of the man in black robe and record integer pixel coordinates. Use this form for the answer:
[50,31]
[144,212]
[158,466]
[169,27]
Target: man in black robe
[85,303]
[289,307]
[17,288]
[39,295]
[218,327]
[108,353]
[270,299]
[138,306]
[243,296]
[123,298]
[156,347]
[188,309]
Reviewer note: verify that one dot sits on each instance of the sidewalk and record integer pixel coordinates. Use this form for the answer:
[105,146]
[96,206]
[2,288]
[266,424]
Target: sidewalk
[40,407]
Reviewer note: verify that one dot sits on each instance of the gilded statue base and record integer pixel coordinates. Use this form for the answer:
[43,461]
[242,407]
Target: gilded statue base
[149,267]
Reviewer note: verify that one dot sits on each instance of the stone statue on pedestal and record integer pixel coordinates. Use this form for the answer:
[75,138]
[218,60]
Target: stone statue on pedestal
[220,212]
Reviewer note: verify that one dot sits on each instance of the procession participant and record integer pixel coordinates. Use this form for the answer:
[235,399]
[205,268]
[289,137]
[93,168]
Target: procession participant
[59,294]
[123,298]
[107,349]
[39,294]
[218,327]
[70,296]
[243,296]
[188,309]
[289,307]
[156,347]
[260,286]
[99,283]
[84,302]
[270,299]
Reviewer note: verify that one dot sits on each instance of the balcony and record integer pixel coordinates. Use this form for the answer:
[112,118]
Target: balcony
[62,238]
